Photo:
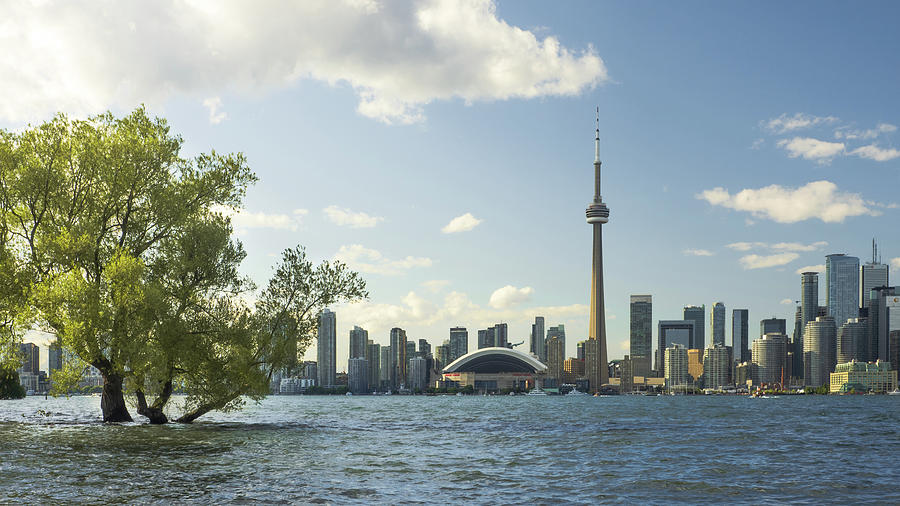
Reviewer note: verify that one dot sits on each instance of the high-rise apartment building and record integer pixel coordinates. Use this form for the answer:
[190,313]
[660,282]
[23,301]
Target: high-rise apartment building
[386,374]
[501,335]
[555,357]
[809,298]
[424,348]
[842,292]
[641,342]
[740,334]
[373,357]
[851,340]
[671,332]
[442,354]
[359,339]
[697,314]
[770,356]
[459,343]
[538,346]
[717,324]
[398,358]
[676,367]
[418,374]
[558,332]
[358,375]
[486,338]
[695,365]
[717,366]
[54,357]
[326,349]
[819,344]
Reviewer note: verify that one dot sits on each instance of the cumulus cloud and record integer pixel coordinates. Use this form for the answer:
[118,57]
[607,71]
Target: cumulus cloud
[243,219]
[462,223]
[763,261]
[872,133]
[509,296]
[811,149]
[780,246]
[698,252]
[811,268]
[787,301]
[352,219]
[816,200]
[895,264]
[397,56]
[784,123]
[436,285]
[371,261]
[214,104]
[873,152]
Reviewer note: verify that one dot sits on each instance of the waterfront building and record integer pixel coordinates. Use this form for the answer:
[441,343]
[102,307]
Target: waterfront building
[386,374]
[641,342]
[851,338]
[558,332]
[597,214]
[326,349]
[717,367]
[872,275]
[418,374]
[776,325]
[744,372]
[538,346]
[717,324]
[697,314]
[740,334]
[676,367]
[884,317]
[359,338]
[626,383]
[573,368]
[695,365]
[373,357]
[877,377]
[459,343]
[819,343]
[842,287]
[494,369]
[555,357]
[770,357]
[358,375]
[398,358]
[671,332]
[894,351]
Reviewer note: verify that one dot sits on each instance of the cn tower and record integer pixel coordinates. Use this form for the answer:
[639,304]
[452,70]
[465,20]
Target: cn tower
[597,214]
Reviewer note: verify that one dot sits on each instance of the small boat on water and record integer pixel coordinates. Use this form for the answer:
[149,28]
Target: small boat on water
[536,391]
[894,392]
[576,393]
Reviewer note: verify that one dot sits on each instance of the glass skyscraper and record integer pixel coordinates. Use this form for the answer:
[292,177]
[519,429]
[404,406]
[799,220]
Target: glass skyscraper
[842,282]
[459,343]
[697,314]
[641,334]
[740,335]
[538,343]
[326,348]
[717,324]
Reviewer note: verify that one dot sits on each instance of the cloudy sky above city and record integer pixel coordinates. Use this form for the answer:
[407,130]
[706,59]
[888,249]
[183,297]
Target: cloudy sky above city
[444,148]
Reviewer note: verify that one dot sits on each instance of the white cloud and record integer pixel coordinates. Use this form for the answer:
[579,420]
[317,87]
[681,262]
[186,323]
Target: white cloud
[895,264]
[398,56]
[216,116]
[371,261]
[758,143]
[787,301]
[811,149]
[698,252]
[462,223]
[781,246]
[436,285]
[882,128]
[763,261]
[352,219]
[745,246]
[819,199]
[509,296]
[873,152]
[811,268]
[243,219]
[785,123]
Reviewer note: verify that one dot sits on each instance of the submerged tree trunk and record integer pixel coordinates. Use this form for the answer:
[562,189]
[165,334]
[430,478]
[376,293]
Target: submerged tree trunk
[154,412]
[113,400]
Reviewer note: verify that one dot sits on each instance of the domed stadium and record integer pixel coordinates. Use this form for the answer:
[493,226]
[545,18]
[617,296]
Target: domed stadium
[494,369]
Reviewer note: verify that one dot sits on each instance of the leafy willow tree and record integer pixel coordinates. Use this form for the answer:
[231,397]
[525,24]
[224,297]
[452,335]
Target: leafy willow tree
[130,265]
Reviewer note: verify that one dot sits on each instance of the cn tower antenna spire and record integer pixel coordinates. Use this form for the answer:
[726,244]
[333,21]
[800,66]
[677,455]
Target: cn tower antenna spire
[597,138]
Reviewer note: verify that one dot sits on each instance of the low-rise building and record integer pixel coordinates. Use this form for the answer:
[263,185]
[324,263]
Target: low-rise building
[863,377]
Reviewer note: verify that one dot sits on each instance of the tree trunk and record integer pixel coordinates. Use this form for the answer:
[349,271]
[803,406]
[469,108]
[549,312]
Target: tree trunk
[155,412]
[113,400]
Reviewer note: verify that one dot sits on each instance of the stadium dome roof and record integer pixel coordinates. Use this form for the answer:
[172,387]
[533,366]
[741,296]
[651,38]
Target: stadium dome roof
[496,360]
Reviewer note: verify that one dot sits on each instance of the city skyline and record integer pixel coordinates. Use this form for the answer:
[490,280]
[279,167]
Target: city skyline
[467,193]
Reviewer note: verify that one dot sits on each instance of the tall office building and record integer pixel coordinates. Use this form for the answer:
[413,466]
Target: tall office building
[773,326]
[819,343]
[359,338]
[558,332]
[851,340]
[31,358]
[595,349]
[697,314]
[873,275]
[54,357]
[717,366]
[671,332]
[442,354]
[418,374]
[486,338]
[740,335]
[398,358]
[884,318]
[386,374]
[501,335]
[424,348]
[676,367]
[373,357]
[358,375]
[538,346]
[326,349]
[459,343]
[770,357]
[809,298]
[842,281]
[717,324]
[410,349]
[641,343]
[555,357]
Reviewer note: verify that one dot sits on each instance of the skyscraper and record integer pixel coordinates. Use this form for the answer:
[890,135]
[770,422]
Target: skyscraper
[716,366]
[740,334]
[424,348]
[459,343]
[809,298]
[31,358]
[772,326]
[538,346]
[486,338]
[398,358]
[842,293]
[501,335]
[717,324]
[54,357]
[595,349]
[358,375]
[884,317]
[326,346]
[555,357]
[697,314]
[770,355]
[418,374]
[386,373]
[373,356]
[359,337]
[672,332]
[558,332]
[641,343]
[874,274]
[851,337]
[676,367]
[819,343]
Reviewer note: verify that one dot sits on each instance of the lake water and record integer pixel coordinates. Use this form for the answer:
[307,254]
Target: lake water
[521,449]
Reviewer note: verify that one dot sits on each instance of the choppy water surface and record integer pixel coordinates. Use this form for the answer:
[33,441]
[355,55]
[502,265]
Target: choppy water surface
[462,450]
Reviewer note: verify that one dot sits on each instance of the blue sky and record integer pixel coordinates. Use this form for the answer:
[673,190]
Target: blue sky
[740,142]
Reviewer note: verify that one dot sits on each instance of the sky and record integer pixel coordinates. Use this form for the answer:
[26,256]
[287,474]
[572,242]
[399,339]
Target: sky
[444,149]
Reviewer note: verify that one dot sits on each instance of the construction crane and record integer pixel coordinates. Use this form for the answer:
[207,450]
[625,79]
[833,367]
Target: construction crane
[513,345]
